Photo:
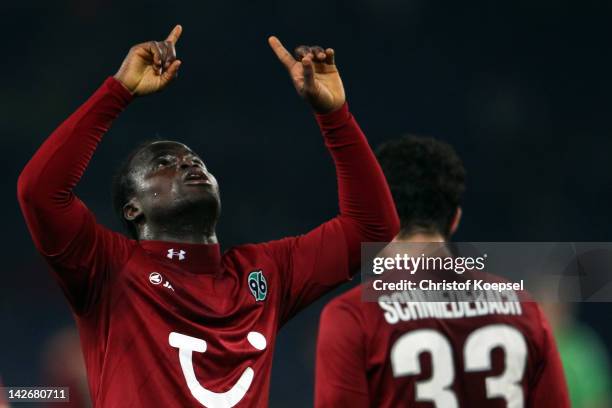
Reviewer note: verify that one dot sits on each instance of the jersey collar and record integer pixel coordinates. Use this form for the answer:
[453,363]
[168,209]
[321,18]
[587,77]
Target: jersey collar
[194,258]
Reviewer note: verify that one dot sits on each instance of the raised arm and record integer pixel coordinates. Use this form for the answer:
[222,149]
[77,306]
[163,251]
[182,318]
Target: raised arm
[367,212]
[62,228]
[45,186]
[331,253]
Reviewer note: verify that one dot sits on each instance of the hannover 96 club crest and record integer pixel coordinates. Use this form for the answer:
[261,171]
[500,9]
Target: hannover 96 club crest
[258,285]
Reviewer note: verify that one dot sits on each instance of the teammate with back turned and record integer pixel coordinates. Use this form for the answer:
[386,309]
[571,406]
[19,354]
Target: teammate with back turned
[165,319]
[372,355]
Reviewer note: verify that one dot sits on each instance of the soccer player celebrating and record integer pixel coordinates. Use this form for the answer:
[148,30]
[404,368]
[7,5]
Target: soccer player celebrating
[379,355]
[165,319]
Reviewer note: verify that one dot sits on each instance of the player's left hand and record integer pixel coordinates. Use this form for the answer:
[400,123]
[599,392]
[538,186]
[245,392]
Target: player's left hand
[314,75]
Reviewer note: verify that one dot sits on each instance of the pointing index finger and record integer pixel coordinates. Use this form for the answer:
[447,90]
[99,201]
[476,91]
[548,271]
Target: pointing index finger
[281,52]
[175,34]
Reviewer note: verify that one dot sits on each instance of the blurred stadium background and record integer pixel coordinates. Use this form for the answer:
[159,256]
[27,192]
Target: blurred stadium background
[520,88]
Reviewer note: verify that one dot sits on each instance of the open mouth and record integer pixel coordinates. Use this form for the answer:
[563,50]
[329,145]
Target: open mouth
[196,177]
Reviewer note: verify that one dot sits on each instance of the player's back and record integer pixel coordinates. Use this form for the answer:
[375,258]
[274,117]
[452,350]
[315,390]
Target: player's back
[437,354]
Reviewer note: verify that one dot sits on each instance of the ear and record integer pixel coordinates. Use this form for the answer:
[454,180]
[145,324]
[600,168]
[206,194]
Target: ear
[132,210]
[456,220]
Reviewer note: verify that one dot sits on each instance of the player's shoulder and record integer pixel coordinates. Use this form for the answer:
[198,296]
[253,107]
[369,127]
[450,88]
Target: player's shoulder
[92,225]
[107,240]
[270,257]
[277,251]
[346,304]
[351,297]
[534,315]
[267,248]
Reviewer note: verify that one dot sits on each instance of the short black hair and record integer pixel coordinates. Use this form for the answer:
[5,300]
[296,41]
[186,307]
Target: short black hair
[123,188]
[427,181]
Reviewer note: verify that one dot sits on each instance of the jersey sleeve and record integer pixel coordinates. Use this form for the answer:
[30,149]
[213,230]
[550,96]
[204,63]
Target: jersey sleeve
[314,263]
[340,379]
[367,211]
[549,389]
[80,252]
[310,266]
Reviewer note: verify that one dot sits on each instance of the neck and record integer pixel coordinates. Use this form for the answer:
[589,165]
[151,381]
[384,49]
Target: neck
[423,242]
[421,237]
[176,231]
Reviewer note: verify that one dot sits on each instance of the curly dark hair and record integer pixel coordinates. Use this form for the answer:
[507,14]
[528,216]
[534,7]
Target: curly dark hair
[427,181]
[123,188]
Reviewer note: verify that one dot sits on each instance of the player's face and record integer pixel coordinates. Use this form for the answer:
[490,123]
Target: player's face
[170,177]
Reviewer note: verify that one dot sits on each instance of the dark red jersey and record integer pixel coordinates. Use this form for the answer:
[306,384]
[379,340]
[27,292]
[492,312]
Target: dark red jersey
[167,324]
[398,353]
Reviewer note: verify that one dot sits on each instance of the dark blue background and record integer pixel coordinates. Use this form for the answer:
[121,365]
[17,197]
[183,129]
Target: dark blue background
[520,88]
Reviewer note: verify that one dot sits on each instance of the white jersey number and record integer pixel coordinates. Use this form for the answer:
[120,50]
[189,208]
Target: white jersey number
[476,355]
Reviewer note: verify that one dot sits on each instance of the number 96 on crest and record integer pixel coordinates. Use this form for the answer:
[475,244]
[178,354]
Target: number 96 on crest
[258,285]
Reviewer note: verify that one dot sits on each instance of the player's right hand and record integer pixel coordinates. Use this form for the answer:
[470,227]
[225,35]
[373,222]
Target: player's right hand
[149,67]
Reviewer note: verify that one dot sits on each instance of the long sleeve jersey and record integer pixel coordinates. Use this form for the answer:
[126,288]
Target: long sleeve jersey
[169,324]
[394,354]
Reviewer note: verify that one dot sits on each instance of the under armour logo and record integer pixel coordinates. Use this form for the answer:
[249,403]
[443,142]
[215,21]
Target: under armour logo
[172,253]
